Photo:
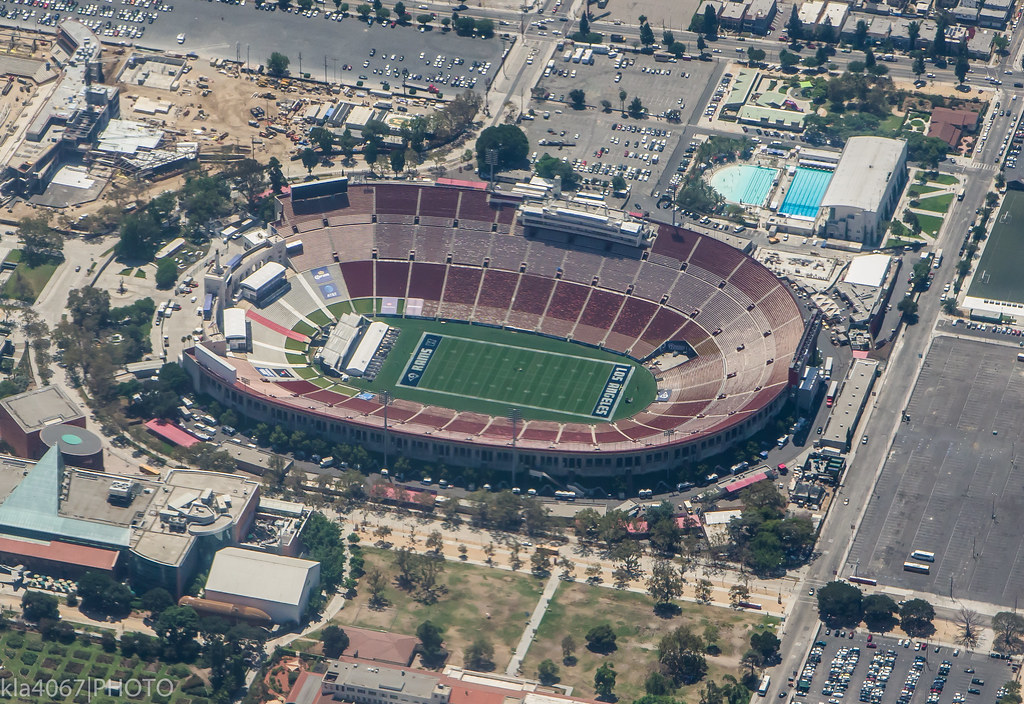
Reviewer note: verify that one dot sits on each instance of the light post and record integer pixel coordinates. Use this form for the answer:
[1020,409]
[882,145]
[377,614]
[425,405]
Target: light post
[514,417]
[491,158]
[385,398]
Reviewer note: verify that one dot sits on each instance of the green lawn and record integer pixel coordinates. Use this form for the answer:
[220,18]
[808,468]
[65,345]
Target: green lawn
[30,660]
[936,204]
[318,317]
[291,344]
[339,309]
[478,369]
[296,358]
[304,328]
[140,273]
[577,607]
[945,179]
[27,282]
[930,223]
[918,190]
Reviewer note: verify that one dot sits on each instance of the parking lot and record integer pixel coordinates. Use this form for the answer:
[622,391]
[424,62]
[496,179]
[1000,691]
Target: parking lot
[609,143]
[953,483]
[884,670]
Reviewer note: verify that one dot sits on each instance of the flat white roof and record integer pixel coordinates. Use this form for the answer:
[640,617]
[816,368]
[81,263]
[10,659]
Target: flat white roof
[868,270]
[259,575]
[864,172]
[266,274]
[366,348]
[340,339]
[234,324]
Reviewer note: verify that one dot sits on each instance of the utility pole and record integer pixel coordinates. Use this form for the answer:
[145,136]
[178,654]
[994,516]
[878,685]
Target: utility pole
[325,69]
[491,157]
[300,64]
[514,416]
[385,398]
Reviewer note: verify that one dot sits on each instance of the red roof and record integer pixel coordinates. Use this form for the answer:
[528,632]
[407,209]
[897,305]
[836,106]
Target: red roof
[733,487]
[477,185]
[171,433]
[56,551]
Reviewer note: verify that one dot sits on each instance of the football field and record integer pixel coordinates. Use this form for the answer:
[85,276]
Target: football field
[534,379]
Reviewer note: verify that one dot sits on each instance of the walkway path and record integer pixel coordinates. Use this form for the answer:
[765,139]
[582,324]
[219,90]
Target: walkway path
[532,626]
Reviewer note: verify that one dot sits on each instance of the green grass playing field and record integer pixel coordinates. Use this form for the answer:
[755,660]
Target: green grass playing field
[525,378]
[476,369]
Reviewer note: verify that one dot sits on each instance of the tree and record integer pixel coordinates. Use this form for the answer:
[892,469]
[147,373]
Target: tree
[400,13]
[309,159]
[908,306]
[702,591]
[916,618]
[480,655]
[485,28]
[826,32]
[739,594]
[156,600]
[323,138]
[855,67]
[968,628]
[363,10]
[276,175]
[510,143]
[869,58]
[939,42]
[622,99]
[277,64]
[1000,43]
[431,638]
[166,273]
[962,68]
[397,159]
[701,44]
[794,26]
[568,650]
[335,641]
[788,59]
[423,20]
[1008,627]
[840,605]
[584,27]
[604,680]
[918,66]
[578,99]
[177,628]
[677,49]
[658,685]
[39,241]
[681,654]
[710,26]
[547,672]
[601,639]
[39,605]
[766,644]
[664,584]
[880,612]
[755,55]
[913,32]
[100,593]
[860,35]
[548,166]
[646,35]
[1011,693]
[668,38]
[636,108]
[618,183]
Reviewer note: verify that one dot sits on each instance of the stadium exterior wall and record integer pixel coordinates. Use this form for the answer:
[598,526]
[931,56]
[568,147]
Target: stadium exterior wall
[566,463]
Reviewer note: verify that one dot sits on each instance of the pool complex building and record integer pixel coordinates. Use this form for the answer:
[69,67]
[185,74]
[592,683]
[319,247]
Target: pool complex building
[805,193]
[745,184]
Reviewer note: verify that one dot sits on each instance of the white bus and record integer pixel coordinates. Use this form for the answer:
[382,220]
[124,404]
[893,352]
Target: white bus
[937,261]
[762,689]
[923,556]
[916,567]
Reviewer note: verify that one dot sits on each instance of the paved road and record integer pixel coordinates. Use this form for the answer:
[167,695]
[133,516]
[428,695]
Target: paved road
[532,625]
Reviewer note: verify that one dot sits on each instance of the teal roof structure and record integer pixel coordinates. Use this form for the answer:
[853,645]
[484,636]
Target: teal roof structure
[33,509]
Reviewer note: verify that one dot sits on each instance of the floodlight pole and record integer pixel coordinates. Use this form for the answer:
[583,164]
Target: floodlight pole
[491,157]
[514,416]
[385,398]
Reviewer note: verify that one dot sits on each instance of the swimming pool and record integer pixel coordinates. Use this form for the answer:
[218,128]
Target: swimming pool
[805,192]
[744,184]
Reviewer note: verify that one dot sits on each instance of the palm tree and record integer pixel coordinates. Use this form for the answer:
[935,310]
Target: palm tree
[622,99]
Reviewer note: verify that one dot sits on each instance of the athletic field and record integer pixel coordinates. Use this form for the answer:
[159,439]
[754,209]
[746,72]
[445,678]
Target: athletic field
[488,370]
[997,273]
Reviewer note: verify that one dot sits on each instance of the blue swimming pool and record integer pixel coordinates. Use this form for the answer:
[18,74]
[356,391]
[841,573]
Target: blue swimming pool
[744,184]
[805,192]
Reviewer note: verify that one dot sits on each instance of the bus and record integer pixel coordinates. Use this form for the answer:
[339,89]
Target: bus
[833,389]
[762,689]
[152,471]
[923,556]
[828,368]
[916,567]
[937,261]
[863,580]
[960,195]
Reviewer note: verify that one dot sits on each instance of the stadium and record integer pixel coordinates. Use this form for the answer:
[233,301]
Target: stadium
[623,346]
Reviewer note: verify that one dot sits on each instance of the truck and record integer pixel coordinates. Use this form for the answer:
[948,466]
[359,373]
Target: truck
[829,361]
[588,57]
[577,55]
[567,56]
[937,261]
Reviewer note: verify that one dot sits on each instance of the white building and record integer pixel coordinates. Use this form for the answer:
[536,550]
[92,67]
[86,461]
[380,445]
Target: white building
[236,329]
[597,222]
[277,585]
[263,282]
[865,189]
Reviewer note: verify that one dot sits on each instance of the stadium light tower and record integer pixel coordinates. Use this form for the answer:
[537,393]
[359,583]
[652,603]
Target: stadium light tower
[385,398]
[514,416]
[491,158]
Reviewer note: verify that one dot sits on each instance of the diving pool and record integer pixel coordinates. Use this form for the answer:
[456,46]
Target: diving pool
[744,184]
[805,192]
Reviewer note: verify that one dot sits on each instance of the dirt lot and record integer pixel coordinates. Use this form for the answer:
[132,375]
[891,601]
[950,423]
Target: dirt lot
[576,608]
[478,601]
